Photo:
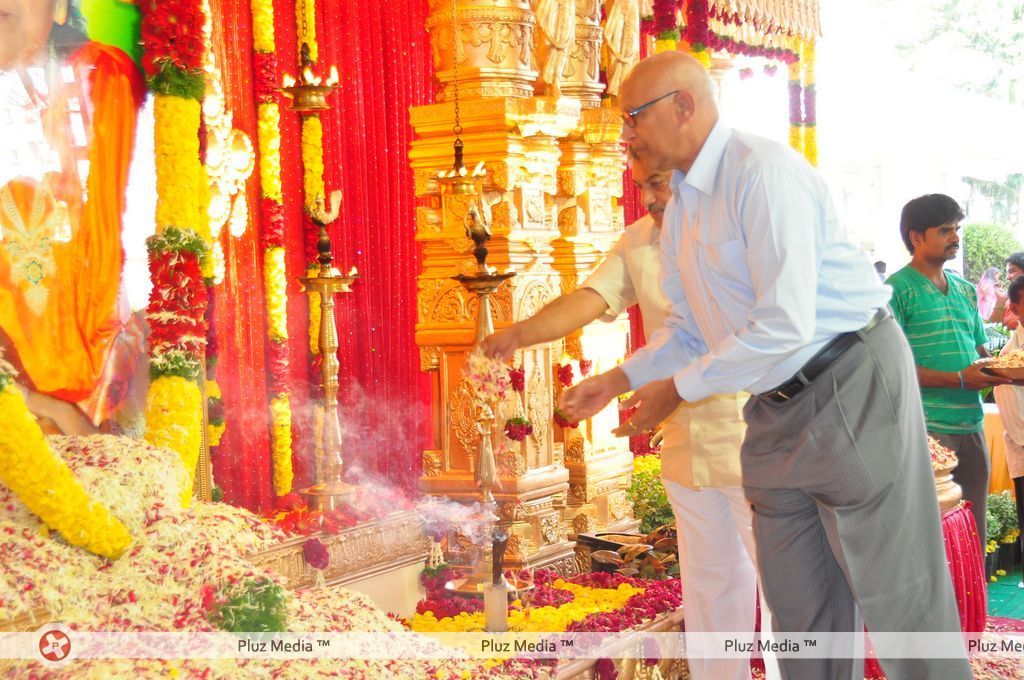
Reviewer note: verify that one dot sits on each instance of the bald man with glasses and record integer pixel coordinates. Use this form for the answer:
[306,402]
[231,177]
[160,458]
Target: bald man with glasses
[769,295]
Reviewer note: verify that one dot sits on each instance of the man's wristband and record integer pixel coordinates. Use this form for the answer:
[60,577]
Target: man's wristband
[960,374]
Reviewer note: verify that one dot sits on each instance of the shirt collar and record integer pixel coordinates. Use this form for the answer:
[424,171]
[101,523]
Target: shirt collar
[705,167]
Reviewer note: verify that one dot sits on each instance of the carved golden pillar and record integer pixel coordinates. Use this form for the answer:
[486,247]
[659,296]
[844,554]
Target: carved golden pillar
[590,221]
[582,75]
[553,165]
[495,47]
[517,139]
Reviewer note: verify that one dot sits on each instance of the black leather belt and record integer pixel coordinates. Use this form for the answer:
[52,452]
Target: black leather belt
[817,364]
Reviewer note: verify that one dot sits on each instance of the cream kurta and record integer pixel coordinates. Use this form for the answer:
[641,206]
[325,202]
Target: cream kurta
[701,445]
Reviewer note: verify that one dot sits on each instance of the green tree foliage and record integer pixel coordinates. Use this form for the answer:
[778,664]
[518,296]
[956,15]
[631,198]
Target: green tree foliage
[987,33]
[987,245]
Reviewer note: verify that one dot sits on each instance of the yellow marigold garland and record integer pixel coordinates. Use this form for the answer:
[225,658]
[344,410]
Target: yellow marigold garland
[181,184]
[269,140]
[313,184]
[548,619]
[281,414]
[810,103]
[174,421]
[664,45]
[276,285]
[263,26]
[313,159]
[703,55]
[46,485]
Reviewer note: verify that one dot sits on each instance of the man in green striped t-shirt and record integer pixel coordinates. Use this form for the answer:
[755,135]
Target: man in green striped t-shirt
[938,311]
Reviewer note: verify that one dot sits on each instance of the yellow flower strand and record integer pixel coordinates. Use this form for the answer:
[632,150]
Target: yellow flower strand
[46,485]
[268,137]
[174,421]
[262,25]
[586,601]
[313,159]
[810,131]
[277,295]
[181,184]
[281,416]
[314,316]
[664,45]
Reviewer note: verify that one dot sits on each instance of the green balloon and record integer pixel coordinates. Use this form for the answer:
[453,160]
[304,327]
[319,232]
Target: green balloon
[114,23]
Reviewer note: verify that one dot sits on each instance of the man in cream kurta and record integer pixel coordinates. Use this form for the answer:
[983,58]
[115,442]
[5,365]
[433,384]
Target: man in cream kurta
[701,441]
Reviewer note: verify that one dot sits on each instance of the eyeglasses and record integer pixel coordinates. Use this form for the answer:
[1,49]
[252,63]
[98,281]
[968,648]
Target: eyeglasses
[629,117]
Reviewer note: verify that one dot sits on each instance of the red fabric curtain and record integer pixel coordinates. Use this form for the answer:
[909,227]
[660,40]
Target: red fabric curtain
[383,54]
[241,464]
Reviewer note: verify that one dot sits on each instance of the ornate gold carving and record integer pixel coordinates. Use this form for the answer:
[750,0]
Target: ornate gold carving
[581,559]
[534,295]
[618,505]
[538,396]
[493,47]
[577,494]
[566,567]
[432,463]
[430,358]
[574,346]
[464,414]
[574,447]
[582,72]
[500,176]
[534,208]
[550,528]
[582,523]
[366,549]
[511,511]
[511,462]
[428,221]
[514,549]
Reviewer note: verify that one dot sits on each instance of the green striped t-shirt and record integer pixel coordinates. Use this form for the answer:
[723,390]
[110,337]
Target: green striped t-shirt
[944,332]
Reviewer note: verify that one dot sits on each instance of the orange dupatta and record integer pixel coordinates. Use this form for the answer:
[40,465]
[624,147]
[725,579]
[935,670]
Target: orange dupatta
[62,342]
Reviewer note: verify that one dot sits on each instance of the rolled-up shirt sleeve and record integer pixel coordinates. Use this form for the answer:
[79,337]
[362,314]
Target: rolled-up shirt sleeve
[611,280]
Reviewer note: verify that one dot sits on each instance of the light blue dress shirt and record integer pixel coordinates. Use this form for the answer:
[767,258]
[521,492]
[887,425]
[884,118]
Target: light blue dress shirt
[758,272]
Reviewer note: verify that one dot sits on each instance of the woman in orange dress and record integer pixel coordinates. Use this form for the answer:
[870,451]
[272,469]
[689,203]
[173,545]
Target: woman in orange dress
[62,196]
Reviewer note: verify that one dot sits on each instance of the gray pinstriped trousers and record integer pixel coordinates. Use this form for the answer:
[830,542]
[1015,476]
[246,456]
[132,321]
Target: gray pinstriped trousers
[845,513]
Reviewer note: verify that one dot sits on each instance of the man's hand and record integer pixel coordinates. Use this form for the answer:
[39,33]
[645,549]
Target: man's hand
[974,379]
[590,396]
[658,400]
[503,344]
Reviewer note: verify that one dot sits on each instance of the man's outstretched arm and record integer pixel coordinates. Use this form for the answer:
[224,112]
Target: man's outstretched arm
[555,320]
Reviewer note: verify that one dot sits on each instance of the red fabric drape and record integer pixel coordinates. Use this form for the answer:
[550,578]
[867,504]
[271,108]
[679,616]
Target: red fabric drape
[241,464]
[382,52]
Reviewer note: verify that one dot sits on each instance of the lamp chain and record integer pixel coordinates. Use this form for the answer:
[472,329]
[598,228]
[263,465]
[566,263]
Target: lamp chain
[455,73]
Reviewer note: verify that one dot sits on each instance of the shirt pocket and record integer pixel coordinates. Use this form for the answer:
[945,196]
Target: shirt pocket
[726,261]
